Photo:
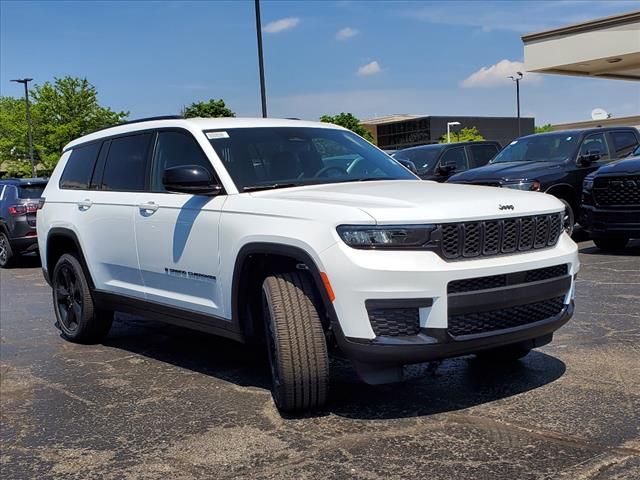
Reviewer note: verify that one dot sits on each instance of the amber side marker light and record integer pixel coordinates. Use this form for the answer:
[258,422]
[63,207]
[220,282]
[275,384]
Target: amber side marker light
[327,285]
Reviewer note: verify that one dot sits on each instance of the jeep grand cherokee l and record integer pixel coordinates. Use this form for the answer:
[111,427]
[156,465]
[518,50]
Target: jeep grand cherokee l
[555,163]
[239,227]
[18,205]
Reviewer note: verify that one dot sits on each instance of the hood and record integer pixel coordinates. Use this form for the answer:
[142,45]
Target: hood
[419,201]
[628,165]
[508,171]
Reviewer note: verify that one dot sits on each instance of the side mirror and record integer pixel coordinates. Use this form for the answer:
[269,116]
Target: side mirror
[408,164]
[192,179]
[589,157]
[447,168]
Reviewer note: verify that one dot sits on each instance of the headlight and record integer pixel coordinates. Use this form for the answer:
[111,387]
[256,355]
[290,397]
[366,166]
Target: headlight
[528,186]
[390,237]
[588,184]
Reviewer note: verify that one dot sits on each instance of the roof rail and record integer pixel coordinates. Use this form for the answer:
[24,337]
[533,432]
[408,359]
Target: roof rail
[138,120]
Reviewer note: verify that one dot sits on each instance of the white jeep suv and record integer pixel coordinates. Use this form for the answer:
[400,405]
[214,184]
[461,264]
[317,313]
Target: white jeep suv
[304,237]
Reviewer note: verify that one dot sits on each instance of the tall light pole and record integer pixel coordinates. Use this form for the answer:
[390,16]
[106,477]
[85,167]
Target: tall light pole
[517,80]
[25,82]
[263,93]
[449,125]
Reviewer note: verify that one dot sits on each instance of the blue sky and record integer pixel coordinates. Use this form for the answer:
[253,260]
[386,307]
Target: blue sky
[369,58]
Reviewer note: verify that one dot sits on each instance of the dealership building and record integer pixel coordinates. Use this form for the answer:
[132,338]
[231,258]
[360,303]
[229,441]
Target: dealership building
[401,131]
[607,47]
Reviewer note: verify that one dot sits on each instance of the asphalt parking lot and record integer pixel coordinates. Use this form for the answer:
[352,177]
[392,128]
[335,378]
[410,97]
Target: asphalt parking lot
[156,401]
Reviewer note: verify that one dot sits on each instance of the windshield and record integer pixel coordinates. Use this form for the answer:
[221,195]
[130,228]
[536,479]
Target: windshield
[539,148]
[423,158]
[272,157]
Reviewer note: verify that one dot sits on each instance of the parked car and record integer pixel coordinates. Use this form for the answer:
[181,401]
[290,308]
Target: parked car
[554,162]
[247,228]
[441,160]
[18,205]
[611,204]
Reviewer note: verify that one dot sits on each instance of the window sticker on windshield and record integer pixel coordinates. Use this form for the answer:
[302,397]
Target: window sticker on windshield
[214,135]
[568,138]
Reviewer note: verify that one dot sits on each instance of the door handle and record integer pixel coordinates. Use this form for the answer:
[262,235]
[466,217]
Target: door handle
[148,207]
[85,204]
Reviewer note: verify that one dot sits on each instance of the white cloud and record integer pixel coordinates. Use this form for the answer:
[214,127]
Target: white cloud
[498,75]
[371,68]
[281,25]
[346,33]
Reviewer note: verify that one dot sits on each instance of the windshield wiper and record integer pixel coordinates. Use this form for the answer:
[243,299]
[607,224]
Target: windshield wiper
[271,186]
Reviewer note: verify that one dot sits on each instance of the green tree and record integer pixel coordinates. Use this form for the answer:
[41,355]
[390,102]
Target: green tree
[350,121]
[469,134]
[61,111]
[544,128]
[14,146]
[212,108]
[66,109]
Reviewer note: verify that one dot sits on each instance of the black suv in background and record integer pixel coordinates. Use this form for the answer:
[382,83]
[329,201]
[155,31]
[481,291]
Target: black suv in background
[554,162]
[441,160]
[18,205]
[611,204]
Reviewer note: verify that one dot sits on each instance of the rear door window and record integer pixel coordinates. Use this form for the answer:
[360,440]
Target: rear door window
[125,167]
[481,154]
[623,143]
[79,168]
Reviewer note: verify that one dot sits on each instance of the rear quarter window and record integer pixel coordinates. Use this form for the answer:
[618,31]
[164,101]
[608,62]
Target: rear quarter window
[79,168]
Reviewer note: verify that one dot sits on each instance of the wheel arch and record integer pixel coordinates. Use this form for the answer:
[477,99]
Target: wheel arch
[263,254]
[60,241]
[566,192]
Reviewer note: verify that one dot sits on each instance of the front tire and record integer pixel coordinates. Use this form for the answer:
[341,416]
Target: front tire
[611,243]
[296,343]
[77,317]
[7,256]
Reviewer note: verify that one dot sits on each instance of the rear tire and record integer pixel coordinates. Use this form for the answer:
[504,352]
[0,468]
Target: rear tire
[77,317]
[7,256]
[611,243]
[508,353]
[296,343]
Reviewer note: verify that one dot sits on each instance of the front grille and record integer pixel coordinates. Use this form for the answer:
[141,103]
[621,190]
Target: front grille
[499,237]
[617,191]
[515,278]
[482,322]
[395,322]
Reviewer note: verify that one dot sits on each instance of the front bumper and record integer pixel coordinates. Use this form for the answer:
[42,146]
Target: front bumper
[432,344]
[599,222]
[361,276]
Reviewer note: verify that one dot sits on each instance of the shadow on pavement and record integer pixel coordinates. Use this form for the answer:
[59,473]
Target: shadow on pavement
[456,384]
